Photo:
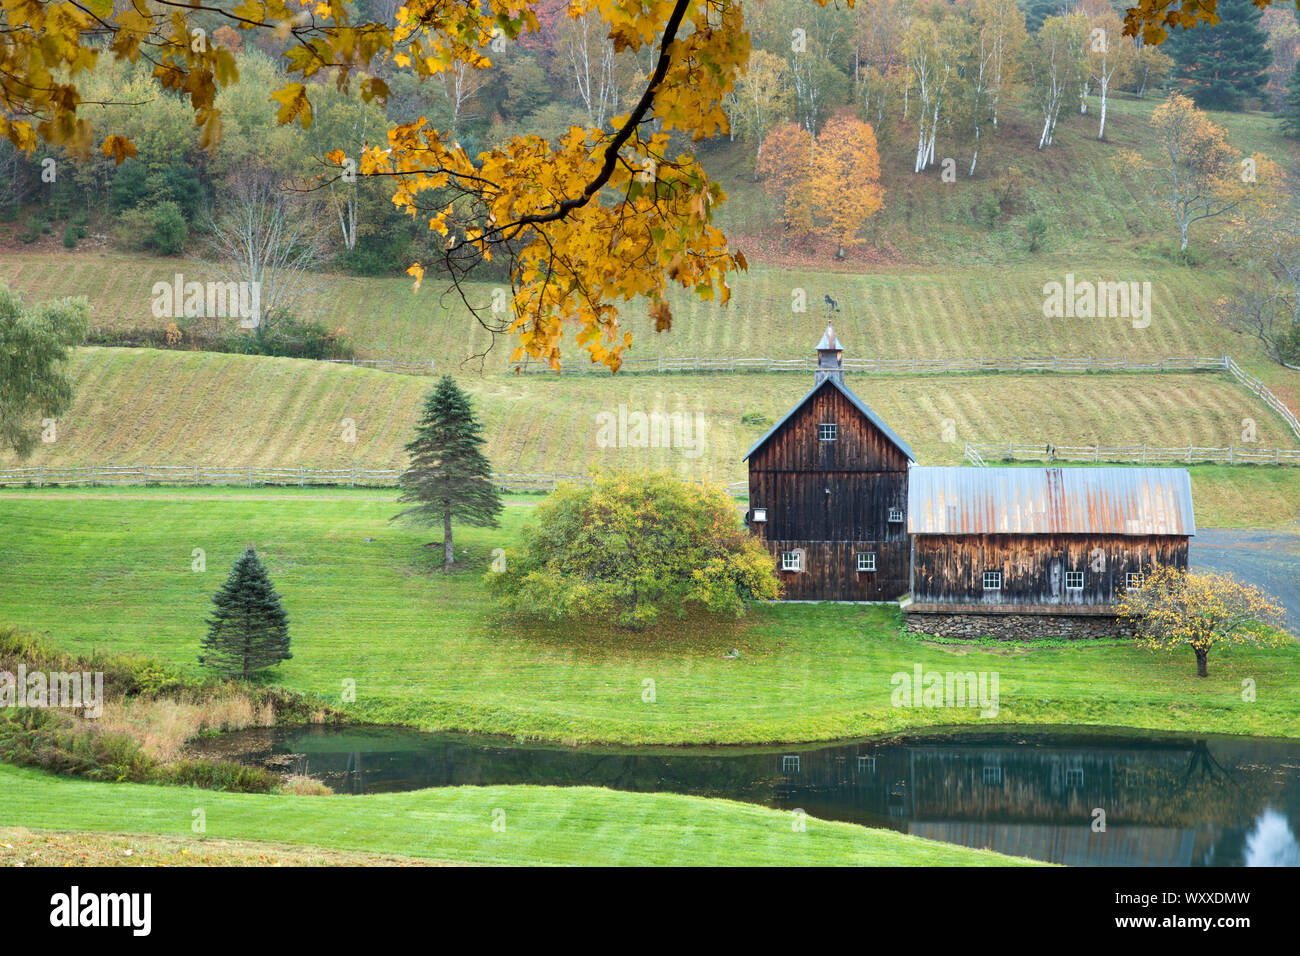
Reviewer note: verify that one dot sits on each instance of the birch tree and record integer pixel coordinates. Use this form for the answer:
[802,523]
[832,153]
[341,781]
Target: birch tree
[1054,63]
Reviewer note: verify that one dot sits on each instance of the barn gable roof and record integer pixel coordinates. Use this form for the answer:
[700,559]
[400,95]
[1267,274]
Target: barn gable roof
[858,403]
[968,500]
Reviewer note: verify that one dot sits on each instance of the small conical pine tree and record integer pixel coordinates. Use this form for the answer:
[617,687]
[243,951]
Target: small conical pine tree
[249,629]
[449,476]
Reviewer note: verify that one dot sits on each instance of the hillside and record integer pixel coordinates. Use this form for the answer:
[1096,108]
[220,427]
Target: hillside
[929,280]
[185,408]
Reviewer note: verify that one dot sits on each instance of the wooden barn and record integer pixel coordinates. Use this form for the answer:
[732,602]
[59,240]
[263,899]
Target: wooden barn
[828,493]
[1024,544]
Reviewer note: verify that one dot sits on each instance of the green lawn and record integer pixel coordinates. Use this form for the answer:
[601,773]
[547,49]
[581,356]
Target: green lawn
[554,826]
[429,650]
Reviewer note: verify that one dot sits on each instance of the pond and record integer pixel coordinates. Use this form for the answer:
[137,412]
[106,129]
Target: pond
[1167,799]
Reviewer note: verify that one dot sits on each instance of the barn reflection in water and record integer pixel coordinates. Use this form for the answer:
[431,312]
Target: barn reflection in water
[1105,799]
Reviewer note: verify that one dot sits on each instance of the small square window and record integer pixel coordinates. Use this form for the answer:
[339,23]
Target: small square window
[866,560]
[760,514]
[866,764]
[1074,776]
[791,561]
[827,431]
[993,775]
[895,514]
[992,580]
[790,764]
[1074,580]
[1133,580]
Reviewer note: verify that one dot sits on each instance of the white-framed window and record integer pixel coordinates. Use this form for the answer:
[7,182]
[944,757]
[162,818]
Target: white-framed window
[993,775]
[791,561]
[1074,776]
[827,431]
[760,514]
[790,764]
[895,514]
[992,580]
[1074,580]
[1133,580]
[866,560]
[866,764]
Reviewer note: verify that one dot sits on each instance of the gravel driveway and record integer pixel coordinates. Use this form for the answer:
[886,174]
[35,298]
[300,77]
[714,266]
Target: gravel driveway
[1269,559]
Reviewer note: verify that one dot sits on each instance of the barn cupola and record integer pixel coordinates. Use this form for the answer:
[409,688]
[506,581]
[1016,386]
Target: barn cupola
[830,355]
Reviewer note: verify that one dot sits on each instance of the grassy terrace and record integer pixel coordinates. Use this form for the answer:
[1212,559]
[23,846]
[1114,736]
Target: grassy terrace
[543,825]
[182,408]
[428,650]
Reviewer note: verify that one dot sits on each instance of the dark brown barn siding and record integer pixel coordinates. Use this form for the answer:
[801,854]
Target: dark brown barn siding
[950,568]
[830,571]
[832,499]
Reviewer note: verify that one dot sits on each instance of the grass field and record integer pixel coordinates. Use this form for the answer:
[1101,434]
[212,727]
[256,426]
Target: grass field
[430,650]
[183,408]
[542,825]
[20,846]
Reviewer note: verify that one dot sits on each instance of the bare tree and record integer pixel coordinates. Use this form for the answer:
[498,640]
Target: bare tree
[592,64]
[269,236]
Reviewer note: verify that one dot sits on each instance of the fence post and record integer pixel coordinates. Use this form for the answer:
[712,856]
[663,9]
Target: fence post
[196,474]
[92,476]
[302,476]
[250,476]
[353,482]
[40,478]
[1230,455]
[144,475]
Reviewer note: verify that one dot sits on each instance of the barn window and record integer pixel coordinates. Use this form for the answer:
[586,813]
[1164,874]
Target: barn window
[1133,580]
[895,514]
[790,764]
[992,580]
[866,560]
[760,514]
[827,431]
[993,776]
[791,561]
[1074,580]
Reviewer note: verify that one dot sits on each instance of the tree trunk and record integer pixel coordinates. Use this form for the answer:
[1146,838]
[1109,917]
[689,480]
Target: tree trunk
[1202,654]
[449,550]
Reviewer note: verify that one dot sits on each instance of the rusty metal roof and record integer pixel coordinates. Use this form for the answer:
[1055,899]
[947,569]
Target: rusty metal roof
[969,500]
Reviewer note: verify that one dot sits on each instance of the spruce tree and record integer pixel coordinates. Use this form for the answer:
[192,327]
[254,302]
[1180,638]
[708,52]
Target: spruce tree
[1291,108]
[1223,65]
[249,629]
[448,476]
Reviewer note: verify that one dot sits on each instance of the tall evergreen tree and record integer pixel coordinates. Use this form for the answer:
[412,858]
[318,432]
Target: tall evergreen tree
[1290,112]
[249,629]
[448,476]
[1220,67]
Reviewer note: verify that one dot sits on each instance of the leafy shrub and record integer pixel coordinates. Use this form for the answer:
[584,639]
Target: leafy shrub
[159,228]
[220,775]
[631,547]
[70,237]
[1035,231]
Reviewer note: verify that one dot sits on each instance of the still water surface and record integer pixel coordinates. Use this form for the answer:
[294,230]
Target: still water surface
[1167,799]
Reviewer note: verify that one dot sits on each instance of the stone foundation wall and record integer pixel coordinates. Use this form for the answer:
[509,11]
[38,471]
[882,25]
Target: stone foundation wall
[1016,627]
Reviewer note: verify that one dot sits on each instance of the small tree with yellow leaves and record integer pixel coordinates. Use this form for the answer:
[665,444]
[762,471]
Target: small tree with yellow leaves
[1201,609]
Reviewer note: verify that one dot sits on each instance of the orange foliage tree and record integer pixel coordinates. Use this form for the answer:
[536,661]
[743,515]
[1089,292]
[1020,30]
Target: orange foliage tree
[829,186]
